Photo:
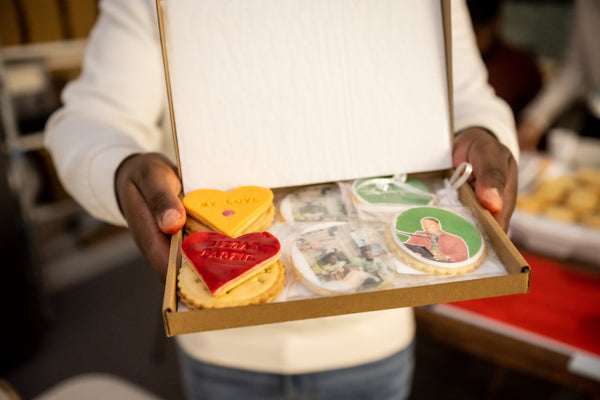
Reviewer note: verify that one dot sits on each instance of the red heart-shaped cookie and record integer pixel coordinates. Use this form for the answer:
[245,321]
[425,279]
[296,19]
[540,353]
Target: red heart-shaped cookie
[223,262]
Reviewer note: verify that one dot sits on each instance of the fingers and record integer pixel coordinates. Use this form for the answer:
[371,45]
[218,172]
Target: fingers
[157,182]
[151,241]
[148,190]
[496,189]
[494,177]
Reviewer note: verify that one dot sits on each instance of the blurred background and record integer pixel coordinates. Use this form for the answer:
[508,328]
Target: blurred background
[81,307]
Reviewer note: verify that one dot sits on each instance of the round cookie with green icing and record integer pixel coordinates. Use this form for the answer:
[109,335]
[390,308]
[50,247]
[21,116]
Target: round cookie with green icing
[387,191]
[436,241]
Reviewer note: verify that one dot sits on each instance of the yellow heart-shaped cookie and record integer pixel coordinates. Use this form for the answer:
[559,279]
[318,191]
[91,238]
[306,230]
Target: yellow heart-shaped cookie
[228,212]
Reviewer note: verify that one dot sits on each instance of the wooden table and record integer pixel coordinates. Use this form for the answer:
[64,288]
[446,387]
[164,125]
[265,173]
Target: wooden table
[476,328]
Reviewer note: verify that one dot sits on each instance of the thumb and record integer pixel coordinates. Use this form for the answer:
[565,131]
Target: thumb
[170,220]
[483,152]
[156,179]
[489,196]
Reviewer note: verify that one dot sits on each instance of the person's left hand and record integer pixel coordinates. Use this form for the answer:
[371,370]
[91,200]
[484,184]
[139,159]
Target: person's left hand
[495,174]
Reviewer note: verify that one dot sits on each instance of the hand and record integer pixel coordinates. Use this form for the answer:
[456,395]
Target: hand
[148,189]
[439,256]
[529,135]
[495,173]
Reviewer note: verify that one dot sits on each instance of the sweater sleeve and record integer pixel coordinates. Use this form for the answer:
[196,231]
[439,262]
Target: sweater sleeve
[475,102]
[113,109]
[571,81]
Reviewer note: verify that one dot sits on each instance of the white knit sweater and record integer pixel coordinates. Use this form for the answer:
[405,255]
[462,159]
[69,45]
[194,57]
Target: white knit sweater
[118,107]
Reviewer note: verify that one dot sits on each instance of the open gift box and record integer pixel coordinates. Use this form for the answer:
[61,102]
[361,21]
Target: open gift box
[289,94]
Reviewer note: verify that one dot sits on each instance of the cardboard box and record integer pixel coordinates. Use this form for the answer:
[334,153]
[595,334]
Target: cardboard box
[179,320]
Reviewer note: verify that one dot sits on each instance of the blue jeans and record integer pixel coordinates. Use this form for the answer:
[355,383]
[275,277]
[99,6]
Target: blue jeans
[387,379]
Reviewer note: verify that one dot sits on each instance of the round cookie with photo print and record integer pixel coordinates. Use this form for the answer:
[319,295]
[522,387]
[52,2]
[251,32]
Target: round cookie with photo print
[319,203]
[436,241]
[334,258]
[386,190]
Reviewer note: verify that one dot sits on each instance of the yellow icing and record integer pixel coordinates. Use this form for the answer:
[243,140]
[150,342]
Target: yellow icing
[228,212]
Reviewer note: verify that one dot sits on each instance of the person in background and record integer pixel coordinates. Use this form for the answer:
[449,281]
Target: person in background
[113,151]
[512,72]
[577,80]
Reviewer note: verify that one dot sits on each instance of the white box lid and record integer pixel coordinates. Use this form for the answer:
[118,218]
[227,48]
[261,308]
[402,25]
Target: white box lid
[289,92]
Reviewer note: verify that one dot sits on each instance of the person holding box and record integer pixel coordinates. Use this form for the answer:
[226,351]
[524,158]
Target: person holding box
[113,152]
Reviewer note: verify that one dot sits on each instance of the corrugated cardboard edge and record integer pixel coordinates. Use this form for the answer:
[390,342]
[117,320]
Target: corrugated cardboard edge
[517,281]
[163,42]
[170,292]
[447,23]
[212,319]
[170,295]
[506,250]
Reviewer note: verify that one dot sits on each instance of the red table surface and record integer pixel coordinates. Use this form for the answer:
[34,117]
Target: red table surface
[563,304]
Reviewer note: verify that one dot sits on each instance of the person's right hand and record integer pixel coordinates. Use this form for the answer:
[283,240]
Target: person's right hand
[148,190]
[529,135]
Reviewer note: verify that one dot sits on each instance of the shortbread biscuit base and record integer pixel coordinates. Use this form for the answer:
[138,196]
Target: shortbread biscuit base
[428,268]
[261,223]
[263,287]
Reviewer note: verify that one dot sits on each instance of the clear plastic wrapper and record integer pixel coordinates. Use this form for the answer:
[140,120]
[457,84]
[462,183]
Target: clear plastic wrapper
[332,254]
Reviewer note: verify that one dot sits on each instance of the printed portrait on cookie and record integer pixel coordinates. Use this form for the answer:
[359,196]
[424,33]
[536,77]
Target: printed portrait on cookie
[435,240]
[320,203]
[334,258]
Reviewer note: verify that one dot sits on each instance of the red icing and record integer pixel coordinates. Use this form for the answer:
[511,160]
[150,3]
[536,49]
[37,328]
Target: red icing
[220,259]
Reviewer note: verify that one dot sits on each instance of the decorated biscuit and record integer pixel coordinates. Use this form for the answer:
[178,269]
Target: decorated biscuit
[233,213]
[335,258]
[436,241]
[263,287]
[260,224]
[388,190]
[223,262]
[320,203]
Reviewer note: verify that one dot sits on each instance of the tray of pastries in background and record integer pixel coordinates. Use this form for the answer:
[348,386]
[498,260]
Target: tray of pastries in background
[558,209]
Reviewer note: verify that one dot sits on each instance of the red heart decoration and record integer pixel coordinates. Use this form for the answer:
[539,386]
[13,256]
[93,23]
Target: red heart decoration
[223,262]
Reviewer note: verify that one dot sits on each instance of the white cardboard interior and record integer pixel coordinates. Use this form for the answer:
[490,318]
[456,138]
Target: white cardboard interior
[285,92]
